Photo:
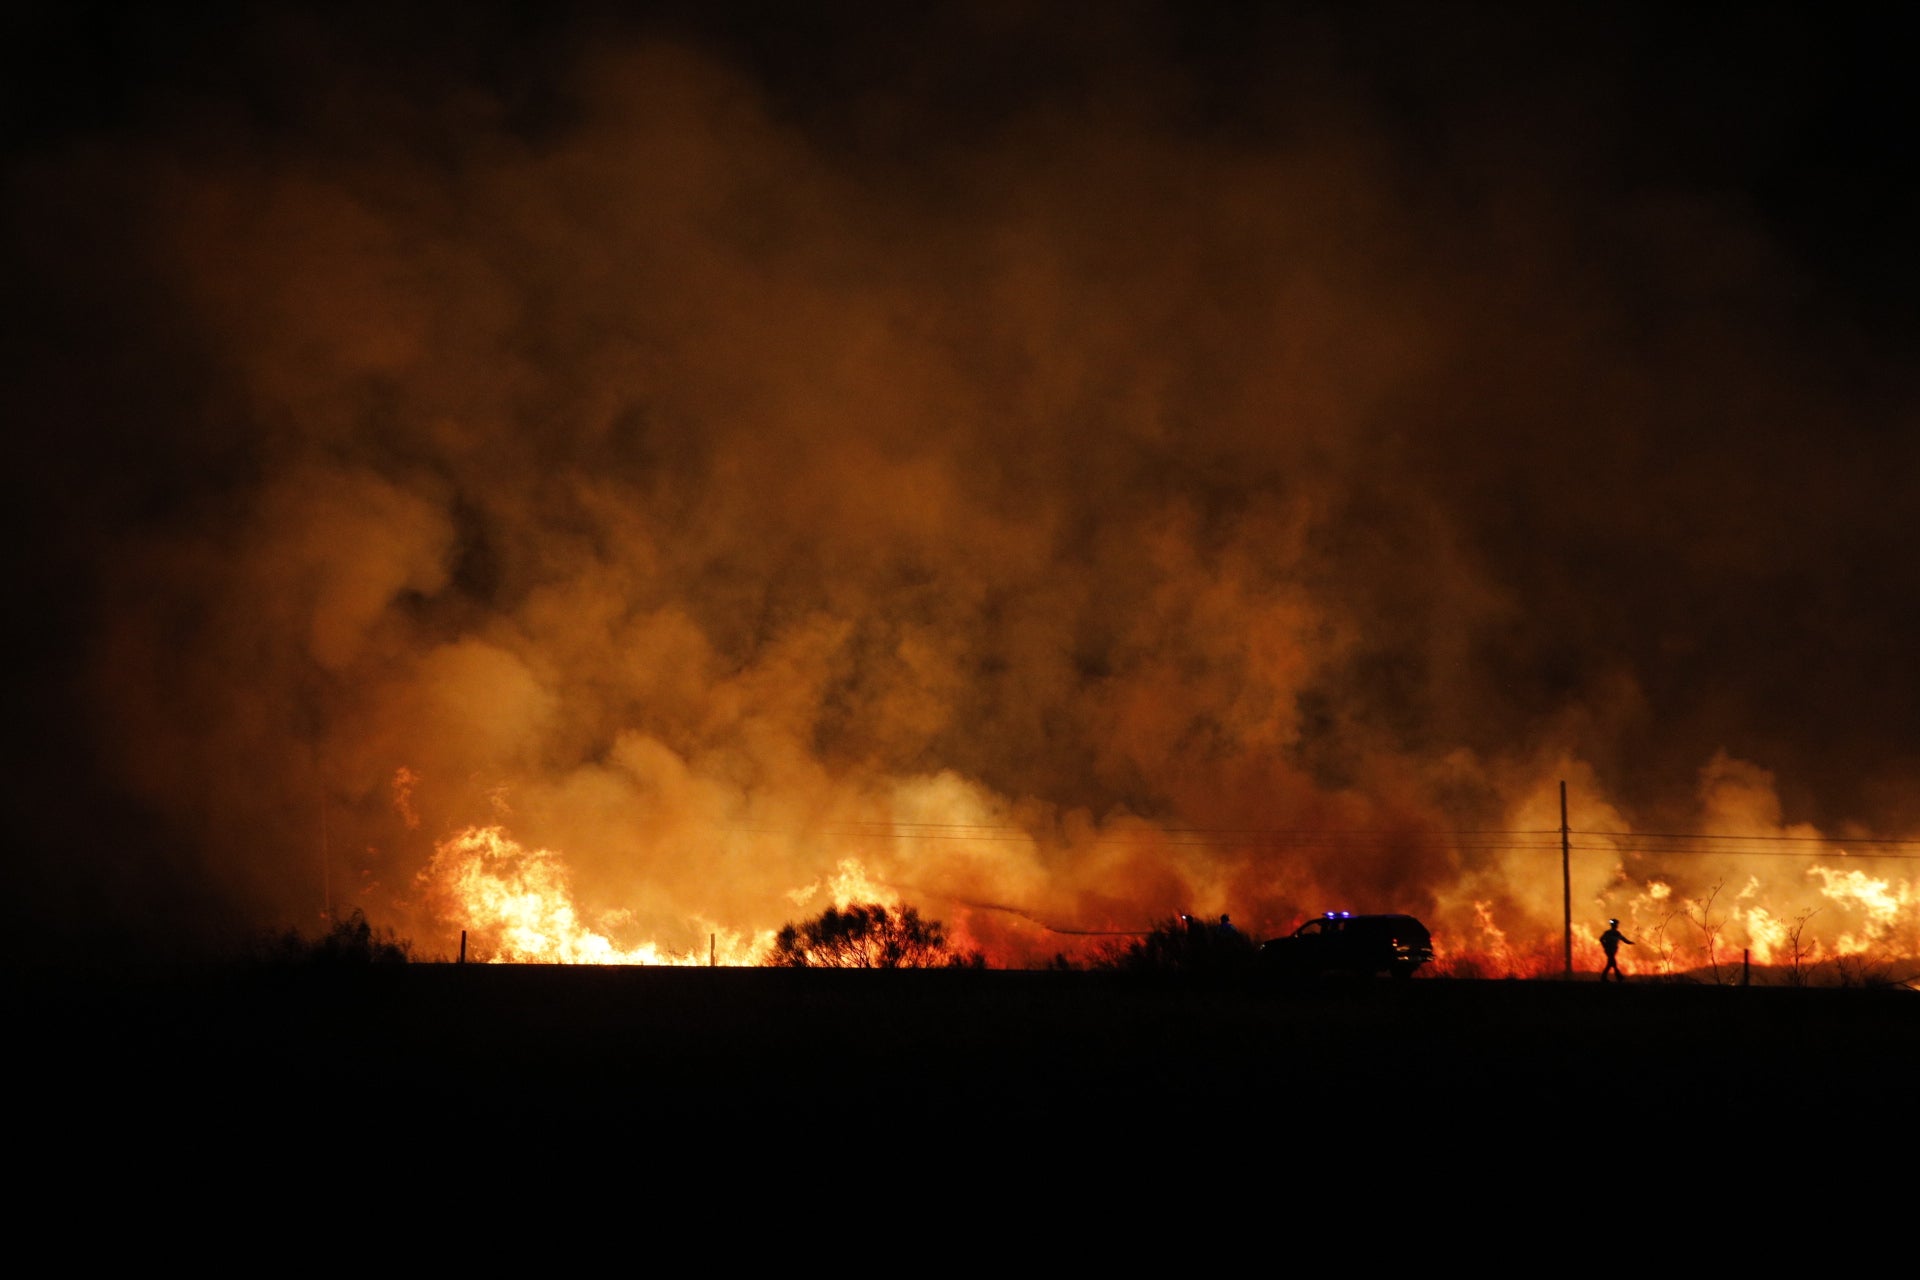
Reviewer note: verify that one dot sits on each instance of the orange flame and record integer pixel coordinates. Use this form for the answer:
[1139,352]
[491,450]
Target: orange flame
[517,905]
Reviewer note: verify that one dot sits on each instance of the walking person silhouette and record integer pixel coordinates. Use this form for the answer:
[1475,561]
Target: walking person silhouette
[1610,943]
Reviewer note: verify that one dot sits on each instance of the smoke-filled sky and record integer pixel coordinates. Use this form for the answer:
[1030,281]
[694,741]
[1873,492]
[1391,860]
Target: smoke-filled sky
[1053,465]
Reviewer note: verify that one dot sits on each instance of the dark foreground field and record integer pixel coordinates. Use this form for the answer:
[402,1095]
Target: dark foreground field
[428,1058]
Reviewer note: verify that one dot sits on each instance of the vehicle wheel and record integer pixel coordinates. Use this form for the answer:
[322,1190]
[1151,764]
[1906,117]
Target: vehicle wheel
[1401,972]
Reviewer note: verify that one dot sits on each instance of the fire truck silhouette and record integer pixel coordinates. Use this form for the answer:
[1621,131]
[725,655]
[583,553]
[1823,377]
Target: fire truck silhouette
[1341,942]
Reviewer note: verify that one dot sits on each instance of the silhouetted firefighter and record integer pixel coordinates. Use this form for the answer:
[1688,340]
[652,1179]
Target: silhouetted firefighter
[1206,945]
[1610,943]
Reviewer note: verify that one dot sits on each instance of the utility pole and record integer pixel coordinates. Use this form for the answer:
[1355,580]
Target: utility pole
[326,848]
[1566,879]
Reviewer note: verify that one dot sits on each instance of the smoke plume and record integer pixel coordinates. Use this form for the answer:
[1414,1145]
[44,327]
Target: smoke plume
[1055,475]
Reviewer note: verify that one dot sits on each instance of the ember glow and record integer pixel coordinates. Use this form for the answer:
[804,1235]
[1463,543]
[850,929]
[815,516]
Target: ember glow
[611,487]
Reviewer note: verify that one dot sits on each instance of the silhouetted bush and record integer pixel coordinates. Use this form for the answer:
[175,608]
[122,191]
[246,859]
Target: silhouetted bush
[350,942]
[868,936]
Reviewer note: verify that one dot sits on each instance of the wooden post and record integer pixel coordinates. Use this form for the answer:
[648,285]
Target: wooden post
[326,850]
[1566,879]
[463,946]
[710,963]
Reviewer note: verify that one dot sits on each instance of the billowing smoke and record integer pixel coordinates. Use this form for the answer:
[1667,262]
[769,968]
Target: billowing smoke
[1056,477]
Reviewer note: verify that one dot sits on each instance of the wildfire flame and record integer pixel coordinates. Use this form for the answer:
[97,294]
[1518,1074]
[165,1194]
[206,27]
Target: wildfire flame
[518,907]
[848,884]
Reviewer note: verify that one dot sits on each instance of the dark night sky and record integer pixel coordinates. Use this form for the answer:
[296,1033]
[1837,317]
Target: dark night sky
[684,415]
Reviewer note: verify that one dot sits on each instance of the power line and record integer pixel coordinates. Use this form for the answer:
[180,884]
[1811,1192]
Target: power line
[1330,840]
[1837,855]
[1823,840]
